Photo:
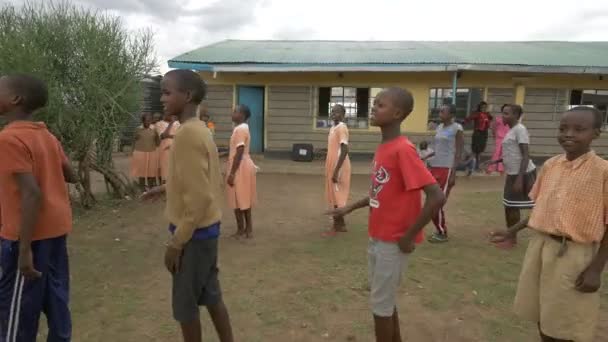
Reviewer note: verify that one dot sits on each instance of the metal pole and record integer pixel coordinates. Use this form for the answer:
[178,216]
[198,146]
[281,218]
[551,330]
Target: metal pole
[454,86]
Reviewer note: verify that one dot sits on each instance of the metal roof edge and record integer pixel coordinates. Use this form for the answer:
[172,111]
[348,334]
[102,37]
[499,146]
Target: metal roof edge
[281,68]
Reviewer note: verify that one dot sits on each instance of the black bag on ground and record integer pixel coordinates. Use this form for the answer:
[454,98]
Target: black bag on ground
[302,152]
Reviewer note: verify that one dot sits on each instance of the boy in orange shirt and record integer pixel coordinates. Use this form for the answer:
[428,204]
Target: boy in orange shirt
[396,216]
[36,217]
[562,270]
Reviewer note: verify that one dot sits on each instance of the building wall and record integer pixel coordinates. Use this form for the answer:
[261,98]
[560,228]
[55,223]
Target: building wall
[290,105]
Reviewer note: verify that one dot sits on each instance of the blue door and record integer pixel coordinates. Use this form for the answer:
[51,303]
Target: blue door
[253,97]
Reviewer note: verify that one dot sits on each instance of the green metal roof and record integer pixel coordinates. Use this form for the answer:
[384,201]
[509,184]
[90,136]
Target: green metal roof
[588,57]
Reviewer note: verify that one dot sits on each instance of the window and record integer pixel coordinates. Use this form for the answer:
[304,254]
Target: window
[467,100]
[356,101]
[591,97]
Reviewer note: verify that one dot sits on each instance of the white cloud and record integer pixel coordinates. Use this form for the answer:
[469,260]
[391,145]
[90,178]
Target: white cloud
[184,25]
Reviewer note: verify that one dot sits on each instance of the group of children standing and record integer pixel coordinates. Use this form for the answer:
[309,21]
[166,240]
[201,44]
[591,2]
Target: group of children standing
[559,281]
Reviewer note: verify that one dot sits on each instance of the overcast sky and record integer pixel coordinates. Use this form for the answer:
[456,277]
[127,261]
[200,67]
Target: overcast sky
[183,25]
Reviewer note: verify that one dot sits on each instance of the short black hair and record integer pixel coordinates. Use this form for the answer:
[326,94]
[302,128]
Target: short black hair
[482,103]
[245,110]
[32,90]
[502,109]
[517,109]
[340,107]
[598,117]
[451,108]
[402,99]
[189,81]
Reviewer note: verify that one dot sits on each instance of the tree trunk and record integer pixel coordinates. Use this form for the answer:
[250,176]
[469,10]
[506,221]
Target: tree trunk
[84,187]
[120,188]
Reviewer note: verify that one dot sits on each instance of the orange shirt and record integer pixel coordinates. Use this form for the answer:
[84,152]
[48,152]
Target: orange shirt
[571,198]
[28,147]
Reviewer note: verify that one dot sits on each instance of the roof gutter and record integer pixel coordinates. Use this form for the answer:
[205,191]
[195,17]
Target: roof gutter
[278,68]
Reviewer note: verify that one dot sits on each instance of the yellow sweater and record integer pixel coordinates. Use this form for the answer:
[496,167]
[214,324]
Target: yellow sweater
[194,182]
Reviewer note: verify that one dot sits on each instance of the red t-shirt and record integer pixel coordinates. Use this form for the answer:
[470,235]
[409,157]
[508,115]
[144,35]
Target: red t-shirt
[482,120]
[398,176]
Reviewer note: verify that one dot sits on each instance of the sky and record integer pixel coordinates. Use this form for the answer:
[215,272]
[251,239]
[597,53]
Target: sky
[183,25]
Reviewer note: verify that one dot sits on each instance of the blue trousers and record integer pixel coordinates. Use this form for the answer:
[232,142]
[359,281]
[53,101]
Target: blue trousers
[22,301]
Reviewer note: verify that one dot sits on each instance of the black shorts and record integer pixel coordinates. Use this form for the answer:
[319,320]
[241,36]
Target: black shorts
[512,199]
[197,283]
[479,142]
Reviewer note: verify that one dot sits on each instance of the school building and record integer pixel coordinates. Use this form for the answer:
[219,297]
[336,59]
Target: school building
[290,86]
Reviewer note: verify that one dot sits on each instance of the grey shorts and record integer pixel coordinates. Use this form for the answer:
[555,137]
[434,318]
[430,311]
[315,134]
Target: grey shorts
[386,264]
[196,284]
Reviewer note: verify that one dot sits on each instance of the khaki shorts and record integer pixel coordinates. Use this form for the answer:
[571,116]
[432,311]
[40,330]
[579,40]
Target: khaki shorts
[546,292]
[386,263]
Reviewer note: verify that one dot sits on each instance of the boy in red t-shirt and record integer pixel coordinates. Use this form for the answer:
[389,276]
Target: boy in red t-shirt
[396,217]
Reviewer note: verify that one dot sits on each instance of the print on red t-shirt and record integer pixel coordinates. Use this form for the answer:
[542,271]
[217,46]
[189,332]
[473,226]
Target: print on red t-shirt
[395,199]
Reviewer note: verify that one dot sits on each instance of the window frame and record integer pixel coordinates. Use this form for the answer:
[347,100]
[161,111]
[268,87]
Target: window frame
[353,116]
[470,106]
[587,91]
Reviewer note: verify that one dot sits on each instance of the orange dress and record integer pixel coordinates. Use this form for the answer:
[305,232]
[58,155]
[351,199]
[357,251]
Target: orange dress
[243,194]
[144,161]
[337,193]
[165,147]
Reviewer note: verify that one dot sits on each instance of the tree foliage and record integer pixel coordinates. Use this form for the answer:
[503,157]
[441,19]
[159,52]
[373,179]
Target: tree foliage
[93,66]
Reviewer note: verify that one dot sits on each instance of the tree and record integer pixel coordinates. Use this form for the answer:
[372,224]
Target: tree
[93,66]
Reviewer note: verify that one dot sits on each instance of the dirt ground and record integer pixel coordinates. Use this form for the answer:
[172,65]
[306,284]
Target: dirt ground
[289,283]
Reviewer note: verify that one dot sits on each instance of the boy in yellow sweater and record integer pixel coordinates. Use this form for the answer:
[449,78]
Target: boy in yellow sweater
[193,192]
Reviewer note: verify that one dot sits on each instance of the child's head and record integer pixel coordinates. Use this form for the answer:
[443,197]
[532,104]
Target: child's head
[446,113]
[482,107]
[578,127]
[156,117]
[511,114]
[391,106]
[146,119]
[22,93]
[338,112]
[181,89]
[423,145]
[241,114]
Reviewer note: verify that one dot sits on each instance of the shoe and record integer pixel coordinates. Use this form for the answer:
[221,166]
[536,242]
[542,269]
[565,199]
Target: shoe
[438,238]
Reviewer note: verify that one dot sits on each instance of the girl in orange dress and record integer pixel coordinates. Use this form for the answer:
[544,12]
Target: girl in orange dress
[166,129]
[337,167]
[144,161]
[241,189]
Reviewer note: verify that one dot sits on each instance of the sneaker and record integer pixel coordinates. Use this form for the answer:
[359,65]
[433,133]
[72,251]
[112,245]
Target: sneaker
[438,238]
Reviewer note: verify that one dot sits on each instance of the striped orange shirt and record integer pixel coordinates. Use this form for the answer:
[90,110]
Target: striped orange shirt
[572,198]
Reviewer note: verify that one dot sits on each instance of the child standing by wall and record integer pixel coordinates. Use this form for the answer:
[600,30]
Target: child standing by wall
[193,191]
[562,270]
[396,216]
[166,129]
[36,217]
[337,167]
[203,113]
[482,119]
[241,189]
[499,131]
[449,141]
[144,161]
[521,171]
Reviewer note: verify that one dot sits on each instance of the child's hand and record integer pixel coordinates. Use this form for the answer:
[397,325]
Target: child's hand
[173,259]
[518,186]
[26,264]
[406,245]
[153,194]
[230,180]
[338,212]
[334,179]
[589,280]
